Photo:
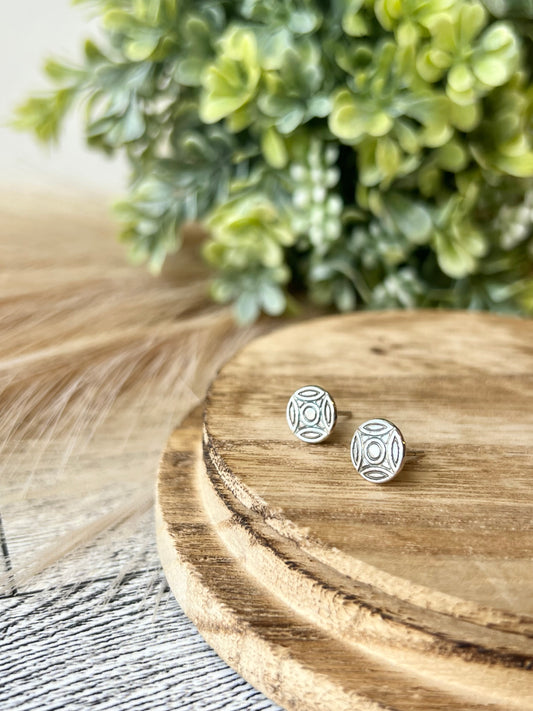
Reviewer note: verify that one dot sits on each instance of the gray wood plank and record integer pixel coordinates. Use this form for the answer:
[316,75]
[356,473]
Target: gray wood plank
[112,644]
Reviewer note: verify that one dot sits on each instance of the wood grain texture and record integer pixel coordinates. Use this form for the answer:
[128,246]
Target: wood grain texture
[98,361]
[108,644]
[431,573]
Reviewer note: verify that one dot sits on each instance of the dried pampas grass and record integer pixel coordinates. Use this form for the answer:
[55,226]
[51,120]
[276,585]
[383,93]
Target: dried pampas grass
[98,360]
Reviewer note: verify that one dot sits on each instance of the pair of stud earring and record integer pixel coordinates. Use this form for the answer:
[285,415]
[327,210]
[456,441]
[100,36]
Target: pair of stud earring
[377,449]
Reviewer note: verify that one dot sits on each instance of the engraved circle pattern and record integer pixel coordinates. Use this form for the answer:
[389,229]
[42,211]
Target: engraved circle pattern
[311,413]
[378,450]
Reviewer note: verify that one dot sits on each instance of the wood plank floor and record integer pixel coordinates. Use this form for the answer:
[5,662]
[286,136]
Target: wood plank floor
[118,640]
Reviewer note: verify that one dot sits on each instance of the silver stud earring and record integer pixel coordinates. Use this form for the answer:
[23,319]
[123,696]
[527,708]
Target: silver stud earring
[378,450]
[311,413]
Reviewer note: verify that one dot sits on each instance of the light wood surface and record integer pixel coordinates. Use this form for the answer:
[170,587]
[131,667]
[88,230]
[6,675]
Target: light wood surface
[430,575]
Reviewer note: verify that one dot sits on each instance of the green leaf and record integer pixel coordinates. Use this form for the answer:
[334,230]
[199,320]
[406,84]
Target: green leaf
[302,21]
[44,114]
[142,47]
[274,149]
[133,125]
[453,259]
[93,53]
[460,78]
[452,156]
[472,19]
[232,80]
[291,120]
[345,297]
[273,299]
[346,120]
[246,308]
[519,166]
[491,70]
[411,218]
[65,74]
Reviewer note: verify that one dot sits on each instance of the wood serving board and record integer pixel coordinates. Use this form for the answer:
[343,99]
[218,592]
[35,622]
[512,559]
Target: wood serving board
[327,591]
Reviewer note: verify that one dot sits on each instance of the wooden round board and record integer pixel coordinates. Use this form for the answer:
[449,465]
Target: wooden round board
[330,592]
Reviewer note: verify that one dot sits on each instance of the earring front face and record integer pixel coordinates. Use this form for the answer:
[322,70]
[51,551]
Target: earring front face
[378,450]
[311,413]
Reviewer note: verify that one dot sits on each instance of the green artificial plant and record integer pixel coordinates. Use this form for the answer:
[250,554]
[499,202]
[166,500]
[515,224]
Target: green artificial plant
[374,152]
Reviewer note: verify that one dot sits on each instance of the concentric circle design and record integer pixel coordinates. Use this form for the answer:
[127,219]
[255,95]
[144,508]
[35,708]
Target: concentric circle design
[311,413]
[378,450]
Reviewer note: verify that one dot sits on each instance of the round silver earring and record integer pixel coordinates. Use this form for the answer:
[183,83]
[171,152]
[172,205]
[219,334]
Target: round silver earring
[378,450]
[311,414]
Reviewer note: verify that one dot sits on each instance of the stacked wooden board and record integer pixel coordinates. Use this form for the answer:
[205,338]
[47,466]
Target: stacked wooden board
[326,591]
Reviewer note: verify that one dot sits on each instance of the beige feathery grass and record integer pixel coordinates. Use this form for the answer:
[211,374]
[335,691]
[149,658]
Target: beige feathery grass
[98,360]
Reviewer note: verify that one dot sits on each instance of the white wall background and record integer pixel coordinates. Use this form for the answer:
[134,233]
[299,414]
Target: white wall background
[30,30]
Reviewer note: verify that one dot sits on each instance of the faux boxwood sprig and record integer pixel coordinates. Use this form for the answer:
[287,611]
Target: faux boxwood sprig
[358,152]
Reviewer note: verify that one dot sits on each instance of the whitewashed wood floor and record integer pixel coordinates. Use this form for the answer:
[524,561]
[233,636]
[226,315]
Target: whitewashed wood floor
[117,640]
[86,617]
